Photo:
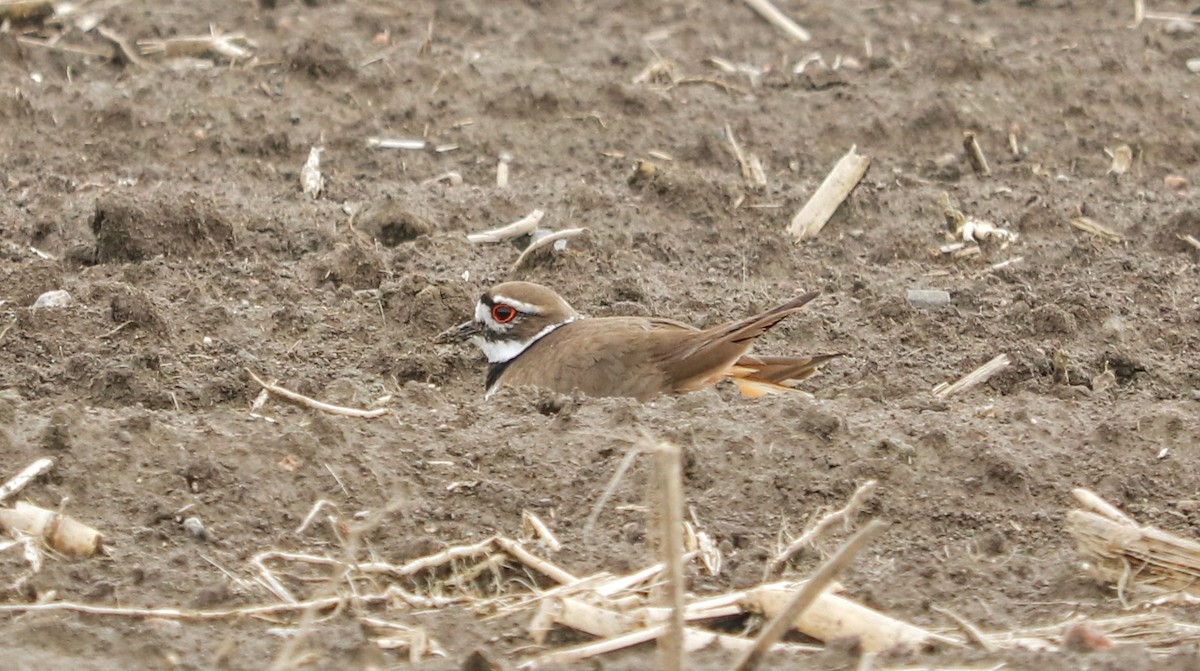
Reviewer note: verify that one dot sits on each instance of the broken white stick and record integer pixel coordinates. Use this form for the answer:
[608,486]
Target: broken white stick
[721,605]
[834,617]
[975,155]
[534,525]
[758,176]
[1089,225]
[260,401]
[702,545]
[314,403]
[771,13]
[670,483]
[546,568]
[1014,139]
[58,531]
[546,242]
[453,178]
[588,618]
[616,585]
[1166,563]
[116,38]
[975,377]
[311,180]
[229,45]
[21,480]
[1122,159]
[845,515]
[801,600]
[737,153]
[978,230]
[395,143]
[502,170]
[1092,502]
[1171,16]
[42,255]
[1004,264]
[606,623]
[312,513]
[589,650]
[837,186]
[523,226]
[750,165]
[695,639]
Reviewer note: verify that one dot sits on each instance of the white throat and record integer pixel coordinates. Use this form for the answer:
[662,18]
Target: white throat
[499,351]
[503,351]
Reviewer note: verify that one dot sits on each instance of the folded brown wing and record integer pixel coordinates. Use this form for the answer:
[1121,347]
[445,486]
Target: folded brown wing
[708,354]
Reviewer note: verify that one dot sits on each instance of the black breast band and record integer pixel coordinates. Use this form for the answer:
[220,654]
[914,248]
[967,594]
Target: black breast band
[495,370]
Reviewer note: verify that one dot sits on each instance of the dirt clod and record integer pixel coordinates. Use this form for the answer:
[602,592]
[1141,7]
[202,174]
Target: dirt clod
[391,222]
[129,228]
[57,436]
[353,265]
[136,309]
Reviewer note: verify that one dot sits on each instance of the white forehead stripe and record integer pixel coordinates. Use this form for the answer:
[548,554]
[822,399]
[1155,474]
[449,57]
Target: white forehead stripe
[484,314]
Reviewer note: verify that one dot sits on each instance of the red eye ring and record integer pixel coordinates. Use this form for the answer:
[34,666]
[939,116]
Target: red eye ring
[503,314]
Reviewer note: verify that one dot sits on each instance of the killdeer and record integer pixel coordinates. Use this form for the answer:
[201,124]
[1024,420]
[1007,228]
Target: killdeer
[531,336]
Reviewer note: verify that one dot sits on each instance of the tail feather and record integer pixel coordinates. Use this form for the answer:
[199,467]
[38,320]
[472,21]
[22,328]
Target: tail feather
[751,387]
[783,368]
[757,376]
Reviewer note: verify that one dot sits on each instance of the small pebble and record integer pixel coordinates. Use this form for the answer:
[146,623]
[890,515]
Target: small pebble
[1179,27]
[58,298]
[927,299]
[1193,64]
[195,527]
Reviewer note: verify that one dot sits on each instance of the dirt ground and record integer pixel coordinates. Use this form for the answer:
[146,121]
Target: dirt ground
[165,197]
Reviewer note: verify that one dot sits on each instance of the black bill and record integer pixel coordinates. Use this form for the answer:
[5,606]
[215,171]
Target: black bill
[461,333]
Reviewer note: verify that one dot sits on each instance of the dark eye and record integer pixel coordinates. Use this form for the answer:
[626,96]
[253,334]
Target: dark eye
[503,314]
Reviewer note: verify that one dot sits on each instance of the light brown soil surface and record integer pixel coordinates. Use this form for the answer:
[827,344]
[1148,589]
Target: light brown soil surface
[169,200]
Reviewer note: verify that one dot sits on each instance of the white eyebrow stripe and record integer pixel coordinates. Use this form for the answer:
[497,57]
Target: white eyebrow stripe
[521,306]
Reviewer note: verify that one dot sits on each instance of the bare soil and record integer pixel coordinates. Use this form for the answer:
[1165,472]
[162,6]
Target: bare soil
[168,202]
